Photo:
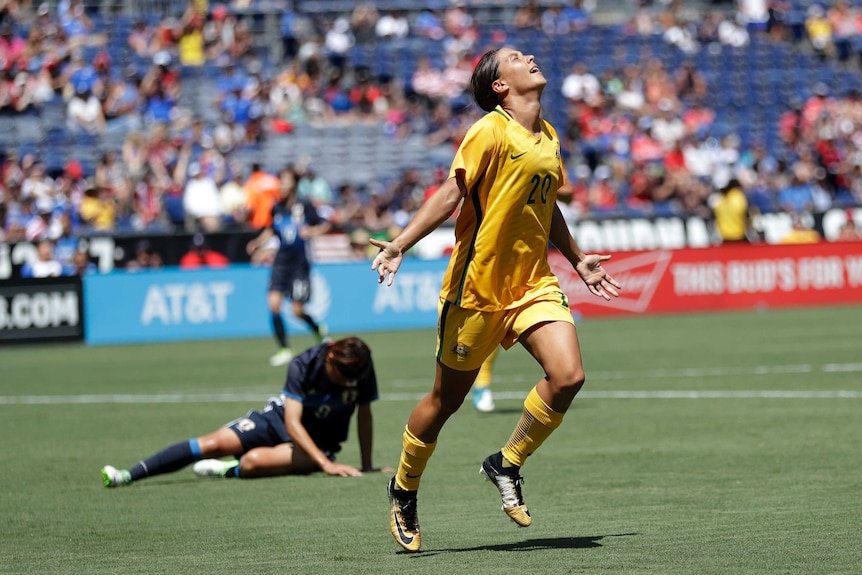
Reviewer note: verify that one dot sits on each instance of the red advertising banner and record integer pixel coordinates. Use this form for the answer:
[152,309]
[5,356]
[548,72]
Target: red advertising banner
[722,278]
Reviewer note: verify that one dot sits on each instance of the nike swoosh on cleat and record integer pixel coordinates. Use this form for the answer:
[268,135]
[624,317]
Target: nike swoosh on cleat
[405,539]
[514,157]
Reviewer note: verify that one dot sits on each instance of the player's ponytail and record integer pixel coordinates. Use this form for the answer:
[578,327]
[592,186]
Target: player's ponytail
[484,74]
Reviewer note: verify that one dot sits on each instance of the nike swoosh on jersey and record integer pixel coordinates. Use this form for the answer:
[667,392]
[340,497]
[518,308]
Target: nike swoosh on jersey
[514,157]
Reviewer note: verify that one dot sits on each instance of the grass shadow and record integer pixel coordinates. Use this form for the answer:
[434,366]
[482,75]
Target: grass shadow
[587,542]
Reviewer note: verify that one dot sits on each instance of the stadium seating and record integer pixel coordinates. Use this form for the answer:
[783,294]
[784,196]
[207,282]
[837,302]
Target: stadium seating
[749,89]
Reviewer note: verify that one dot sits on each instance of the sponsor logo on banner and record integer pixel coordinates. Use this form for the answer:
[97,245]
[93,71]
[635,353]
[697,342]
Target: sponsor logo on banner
[640,275]
[194,303]
[411,292]
[41,309]
[724,278]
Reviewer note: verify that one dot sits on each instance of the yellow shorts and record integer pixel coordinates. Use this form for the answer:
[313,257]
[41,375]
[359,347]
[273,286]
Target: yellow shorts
[465,337]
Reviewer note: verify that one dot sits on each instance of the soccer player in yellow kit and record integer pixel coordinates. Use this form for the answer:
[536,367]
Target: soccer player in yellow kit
[483,399]
[498,288]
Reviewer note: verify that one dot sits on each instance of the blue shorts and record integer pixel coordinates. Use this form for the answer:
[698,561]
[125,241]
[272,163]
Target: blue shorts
[293,280]
[259,429]
[265,428]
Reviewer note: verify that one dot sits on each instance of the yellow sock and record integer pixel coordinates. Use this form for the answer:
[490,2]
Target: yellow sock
[537,423]
[414,457]
[483,378]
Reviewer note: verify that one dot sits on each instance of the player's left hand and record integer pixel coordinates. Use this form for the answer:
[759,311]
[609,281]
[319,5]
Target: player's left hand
[598,281]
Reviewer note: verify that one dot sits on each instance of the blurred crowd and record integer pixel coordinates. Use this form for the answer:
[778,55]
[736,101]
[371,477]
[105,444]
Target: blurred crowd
[637,137]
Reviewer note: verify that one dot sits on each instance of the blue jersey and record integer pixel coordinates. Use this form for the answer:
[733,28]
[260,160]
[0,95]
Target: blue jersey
[326,406]
[286,223]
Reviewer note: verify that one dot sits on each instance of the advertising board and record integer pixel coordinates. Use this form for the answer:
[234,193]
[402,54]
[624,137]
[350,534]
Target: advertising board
[48,309]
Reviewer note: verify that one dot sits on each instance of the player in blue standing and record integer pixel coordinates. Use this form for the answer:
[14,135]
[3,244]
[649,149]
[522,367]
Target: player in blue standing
[299,432]
[294,223]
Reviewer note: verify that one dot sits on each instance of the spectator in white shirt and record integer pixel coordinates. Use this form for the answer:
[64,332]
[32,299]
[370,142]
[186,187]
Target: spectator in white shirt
[232,197]
[667,127]
[338,42]
[580,84]
[45,265]
[392,25]
[37,184]
[84,112]
[201,201]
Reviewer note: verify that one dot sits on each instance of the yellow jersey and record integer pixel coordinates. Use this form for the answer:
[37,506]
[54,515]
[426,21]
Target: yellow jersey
[500,258]
[731,215]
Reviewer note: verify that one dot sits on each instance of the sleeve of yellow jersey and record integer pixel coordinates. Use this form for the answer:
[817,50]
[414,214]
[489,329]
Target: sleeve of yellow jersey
[475,152]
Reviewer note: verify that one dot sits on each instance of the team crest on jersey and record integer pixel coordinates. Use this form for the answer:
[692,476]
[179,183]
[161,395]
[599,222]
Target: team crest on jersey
[245,425]
[349,396]
[461,351]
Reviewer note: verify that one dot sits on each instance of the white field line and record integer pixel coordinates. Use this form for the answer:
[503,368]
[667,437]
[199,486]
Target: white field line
[842,367]
[675,394]
[692,372]
[696,373]
[261,398]
[133,398]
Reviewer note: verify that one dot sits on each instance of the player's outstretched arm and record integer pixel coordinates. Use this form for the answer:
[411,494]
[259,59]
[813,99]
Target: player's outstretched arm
[588,266]
[365,432]
[261,239]
[433,212]
[302,440]
[598,281]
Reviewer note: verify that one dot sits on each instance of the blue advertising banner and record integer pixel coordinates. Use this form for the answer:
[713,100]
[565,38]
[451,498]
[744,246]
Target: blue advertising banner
[348,298]
[173,304]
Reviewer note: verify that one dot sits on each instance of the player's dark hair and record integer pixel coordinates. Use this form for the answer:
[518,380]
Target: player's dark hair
[484,74]
[289,169]
[351,357]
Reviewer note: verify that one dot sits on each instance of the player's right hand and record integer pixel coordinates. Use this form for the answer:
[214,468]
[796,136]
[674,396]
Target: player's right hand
[341,470]
[387,261]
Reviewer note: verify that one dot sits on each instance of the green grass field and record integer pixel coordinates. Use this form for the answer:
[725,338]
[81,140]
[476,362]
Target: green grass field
[701,444]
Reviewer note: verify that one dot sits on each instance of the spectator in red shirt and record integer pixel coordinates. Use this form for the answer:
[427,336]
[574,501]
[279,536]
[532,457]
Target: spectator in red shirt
[365,93]
[201,256]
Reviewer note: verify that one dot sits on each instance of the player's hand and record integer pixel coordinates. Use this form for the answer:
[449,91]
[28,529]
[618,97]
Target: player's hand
[387,261]
[341,470]
[251,247]
[598,281]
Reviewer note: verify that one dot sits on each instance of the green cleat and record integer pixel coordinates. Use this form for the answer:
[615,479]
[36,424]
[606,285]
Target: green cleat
[113,477]
[214,467]
[282,357]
